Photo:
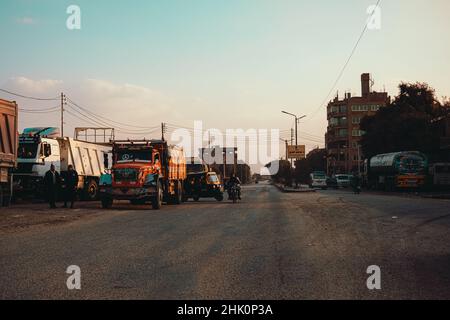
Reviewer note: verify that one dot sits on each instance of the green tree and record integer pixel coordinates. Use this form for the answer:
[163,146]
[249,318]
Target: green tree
[405,124]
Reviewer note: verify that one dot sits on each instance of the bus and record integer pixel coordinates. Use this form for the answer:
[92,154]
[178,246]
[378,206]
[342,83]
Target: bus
[398,170]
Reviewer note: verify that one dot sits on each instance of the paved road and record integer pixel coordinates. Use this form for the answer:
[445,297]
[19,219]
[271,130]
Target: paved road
[271,246]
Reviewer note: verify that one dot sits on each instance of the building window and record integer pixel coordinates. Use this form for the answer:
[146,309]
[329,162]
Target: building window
[342,132]
[357,133]
[343,109]
[375,107]
[360,108]
[355,145]
[356,120]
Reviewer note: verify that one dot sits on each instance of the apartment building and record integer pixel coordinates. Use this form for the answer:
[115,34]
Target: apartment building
[343,137]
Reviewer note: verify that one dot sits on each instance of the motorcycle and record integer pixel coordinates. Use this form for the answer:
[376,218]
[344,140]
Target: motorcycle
[234,193]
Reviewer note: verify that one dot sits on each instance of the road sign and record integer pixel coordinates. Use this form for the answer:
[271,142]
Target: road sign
[296,152]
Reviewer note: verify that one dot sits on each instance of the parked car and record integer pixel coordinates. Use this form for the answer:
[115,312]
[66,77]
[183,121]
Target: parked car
[318,179]
[343,180]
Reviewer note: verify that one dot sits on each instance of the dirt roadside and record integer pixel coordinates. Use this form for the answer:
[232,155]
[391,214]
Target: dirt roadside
[21,217]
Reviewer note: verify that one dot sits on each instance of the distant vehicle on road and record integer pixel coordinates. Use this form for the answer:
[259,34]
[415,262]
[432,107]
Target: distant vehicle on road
[8,148]
[318,179]
[234,193]
[343,180]
[399,170]
[203,185]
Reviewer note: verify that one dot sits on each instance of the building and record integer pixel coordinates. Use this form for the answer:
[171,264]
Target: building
[343,137]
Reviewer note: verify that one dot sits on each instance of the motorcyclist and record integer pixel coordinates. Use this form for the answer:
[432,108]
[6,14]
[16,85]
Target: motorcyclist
[234,180]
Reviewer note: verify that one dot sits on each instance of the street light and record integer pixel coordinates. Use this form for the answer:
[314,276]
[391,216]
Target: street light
[296,124]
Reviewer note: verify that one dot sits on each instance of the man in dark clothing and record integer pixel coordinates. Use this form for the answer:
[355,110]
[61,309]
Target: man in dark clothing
[70,186]
[52,182]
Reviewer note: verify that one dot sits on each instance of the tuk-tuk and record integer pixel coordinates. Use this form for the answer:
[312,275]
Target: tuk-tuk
[203,185]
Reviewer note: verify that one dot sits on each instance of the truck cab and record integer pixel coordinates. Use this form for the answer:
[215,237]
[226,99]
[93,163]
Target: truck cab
[35,156]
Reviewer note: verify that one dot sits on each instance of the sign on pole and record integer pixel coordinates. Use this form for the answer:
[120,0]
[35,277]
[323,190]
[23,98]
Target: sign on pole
[296,152]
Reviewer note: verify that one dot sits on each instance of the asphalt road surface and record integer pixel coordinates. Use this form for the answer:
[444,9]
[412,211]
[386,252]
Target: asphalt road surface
[272,245]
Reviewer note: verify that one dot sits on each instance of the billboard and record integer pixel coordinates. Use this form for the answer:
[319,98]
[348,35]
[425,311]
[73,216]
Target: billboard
[296,152]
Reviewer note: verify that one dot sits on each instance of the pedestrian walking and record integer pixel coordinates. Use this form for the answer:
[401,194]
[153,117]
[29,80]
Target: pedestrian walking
[70,186]
[52,182]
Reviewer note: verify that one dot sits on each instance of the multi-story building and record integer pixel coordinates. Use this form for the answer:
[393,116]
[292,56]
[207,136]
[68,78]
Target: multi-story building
[343,137]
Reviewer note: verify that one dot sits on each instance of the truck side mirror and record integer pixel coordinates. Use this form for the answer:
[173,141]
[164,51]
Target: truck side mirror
[105,160]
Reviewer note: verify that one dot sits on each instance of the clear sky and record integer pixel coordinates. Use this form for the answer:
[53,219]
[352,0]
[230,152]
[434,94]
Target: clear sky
[230,63]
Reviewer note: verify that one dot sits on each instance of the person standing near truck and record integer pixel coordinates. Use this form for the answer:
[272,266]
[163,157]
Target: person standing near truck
[70,184]
[52,182]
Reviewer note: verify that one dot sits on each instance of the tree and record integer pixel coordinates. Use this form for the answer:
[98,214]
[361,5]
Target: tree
[284,173]
[405,124]
[314,161]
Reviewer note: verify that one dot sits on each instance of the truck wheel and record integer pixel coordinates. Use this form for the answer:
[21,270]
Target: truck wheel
[157,201]
[219,197]
[196,197]
[107,203]
[91,191]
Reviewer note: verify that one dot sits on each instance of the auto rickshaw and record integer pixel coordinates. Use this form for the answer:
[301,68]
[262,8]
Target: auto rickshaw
[203,185]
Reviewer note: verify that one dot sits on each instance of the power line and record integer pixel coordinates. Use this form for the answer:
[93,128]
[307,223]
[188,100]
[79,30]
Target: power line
[28,97]
[96,123]
[341,73]
[103,118]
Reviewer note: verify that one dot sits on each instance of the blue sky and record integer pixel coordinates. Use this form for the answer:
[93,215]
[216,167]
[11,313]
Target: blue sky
[230,63]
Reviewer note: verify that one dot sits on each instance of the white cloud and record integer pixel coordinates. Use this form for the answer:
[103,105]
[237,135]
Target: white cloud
[26,20]
[30,86]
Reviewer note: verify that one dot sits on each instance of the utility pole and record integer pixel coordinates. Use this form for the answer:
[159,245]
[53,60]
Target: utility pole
[62,114]
[163,130]
[287,145]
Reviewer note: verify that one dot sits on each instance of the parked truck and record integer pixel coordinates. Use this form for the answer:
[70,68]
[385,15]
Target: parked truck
[39,148]
[8,148]
[399,170]
[144,171]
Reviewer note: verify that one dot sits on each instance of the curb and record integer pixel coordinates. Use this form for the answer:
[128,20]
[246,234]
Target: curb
[282,189]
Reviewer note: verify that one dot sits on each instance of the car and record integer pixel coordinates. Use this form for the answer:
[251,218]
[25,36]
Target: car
[343,180]
[318,179]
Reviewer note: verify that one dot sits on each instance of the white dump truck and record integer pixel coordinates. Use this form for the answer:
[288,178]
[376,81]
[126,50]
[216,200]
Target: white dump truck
[39,148]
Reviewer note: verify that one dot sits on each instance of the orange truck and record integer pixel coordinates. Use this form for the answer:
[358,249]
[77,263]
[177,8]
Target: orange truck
[144,171]
[8,148]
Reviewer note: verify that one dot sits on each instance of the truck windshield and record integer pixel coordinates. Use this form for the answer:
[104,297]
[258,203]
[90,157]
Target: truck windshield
[412,165]
[213,178]
[319,176]
[134,155]
[27,150]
